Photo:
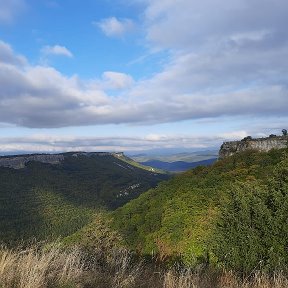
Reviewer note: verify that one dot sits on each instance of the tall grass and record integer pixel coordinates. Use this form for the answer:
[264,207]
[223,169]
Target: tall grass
[210,279]
[38,267]
[51,265]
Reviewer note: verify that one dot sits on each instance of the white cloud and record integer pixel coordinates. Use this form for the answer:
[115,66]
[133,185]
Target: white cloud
[219,45]
[235,135]
[255,36]
[156,137]
[116,80]
[8,56]
[191,24]
[113,27]
[188,88]
[63,142]
[56,50]
[10,9]
[54,143]
[230,63]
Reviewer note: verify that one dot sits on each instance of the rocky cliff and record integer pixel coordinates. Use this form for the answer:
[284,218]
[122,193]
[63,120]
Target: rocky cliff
[20,161]
[260,144]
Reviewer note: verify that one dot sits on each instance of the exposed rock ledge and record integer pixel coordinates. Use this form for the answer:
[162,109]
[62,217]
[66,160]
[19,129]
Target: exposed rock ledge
[18,162]
[260,144]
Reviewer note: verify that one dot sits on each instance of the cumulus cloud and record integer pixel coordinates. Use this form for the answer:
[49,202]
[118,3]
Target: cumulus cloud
[10,9]
[226,58]
[192,24]
[113,27]
[56,50]
[221,43]
[8,56]
[37,96]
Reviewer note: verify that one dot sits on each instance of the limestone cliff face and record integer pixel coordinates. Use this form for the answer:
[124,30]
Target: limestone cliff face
[260,144]
[18,162]
[90,154]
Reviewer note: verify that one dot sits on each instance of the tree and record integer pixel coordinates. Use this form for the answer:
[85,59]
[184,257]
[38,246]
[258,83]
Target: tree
[284,131]
[252,232]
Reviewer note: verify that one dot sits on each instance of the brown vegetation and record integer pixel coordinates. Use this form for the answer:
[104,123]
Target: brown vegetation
[52,266]
[39,267]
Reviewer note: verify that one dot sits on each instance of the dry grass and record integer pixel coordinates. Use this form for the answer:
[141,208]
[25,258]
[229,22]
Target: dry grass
[52,266]
[115,269]
[124,271]
[189,279]
[258,280]
[39,267]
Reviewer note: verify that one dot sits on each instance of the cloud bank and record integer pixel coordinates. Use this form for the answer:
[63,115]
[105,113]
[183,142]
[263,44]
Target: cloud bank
[49,143]
[226,58]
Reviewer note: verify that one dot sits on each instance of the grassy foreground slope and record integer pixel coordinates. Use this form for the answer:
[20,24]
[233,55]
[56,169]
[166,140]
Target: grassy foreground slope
[178,219]
[46,201]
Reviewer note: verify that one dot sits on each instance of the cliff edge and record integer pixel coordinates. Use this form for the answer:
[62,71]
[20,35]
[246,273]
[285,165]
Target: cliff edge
[20,161]
[260,144]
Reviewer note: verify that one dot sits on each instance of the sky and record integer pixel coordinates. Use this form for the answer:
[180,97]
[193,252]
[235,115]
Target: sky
[134,75]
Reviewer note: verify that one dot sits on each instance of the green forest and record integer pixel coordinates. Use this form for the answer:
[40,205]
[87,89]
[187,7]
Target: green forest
[233,213]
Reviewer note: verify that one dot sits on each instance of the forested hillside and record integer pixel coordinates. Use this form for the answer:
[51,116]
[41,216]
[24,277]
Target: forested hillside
[200,216]
[45,201]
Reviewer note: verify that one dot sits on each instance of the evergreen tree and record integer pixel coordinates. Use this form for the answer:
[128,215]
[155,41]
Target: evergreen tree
[252,232]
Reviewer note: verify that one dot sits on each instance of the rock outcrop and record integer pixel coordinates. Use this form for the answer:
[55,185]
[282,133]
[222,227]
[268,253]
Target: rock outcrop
[90,154]
[260,144]
[18,162]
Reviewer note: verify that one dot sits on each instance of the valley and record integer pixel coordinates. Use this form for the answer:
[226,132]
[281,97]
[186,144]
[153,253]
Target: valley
[47,196]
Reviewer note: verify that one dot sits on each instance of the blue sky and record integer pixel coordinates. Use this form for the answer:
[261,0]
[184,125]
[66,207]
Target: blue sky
[133,75]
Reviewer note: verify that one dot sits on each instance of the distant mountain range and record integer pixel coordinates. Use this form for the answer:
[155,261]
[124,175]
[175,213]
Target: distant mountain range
[178,166]
[173,156]
[176,162]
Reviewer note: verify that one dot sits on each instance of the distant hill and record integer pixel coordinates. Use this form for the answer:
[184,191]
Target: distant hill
[46,195]
[177,166]
[166,156]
